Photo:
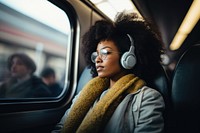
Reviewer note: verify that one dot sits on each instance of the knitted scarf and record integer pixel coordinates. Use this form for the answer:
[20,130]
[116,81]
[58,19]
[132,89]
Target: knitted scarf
[84,119]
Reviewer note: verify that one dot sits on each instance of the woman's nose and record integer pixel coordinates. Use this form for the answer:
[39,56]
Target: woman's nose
[98,59]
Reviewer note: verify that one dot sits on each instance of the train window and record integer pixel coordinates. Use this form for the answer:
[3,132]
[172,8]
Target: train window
[34,49]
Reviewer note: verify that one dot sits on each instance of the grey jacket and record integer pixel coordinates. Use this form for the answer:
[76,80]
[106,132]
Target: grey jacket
[140,112]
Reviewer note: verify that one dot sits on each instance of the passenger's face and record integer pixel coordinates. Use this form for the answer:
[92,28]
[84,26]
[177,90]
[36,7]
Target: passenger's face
[18,68]
[108,66]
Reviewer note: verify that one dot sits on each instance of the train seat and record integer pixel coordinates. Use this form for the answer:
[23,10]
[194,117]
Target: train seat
[84,78]
[160,81]
[186,92]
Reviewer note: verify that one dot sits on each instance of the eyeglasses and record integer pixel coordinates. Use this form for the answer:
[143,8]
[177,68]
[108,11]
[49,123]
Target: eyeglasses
[103,53]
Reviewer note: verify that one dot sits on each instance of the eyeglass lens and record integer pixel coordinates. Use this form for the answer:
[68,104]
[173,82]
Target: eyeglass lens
[103,54]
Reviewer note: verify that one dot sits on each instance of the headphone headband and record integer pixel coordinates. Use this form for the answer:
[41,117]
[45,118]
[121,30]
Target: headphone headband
[128,59]
[131,40]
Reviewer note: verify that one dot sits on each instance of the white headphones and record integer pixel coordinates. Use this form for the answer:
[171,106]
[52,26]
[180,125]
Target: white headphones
[128,59]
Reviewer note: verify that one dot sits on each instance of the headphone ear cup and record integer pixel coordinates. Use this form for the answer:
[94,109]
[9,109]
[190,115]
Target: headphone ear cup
[128,60]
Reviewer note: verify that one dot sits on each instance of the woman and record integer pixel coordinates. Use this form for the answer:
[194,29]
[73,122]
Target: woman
[121,55]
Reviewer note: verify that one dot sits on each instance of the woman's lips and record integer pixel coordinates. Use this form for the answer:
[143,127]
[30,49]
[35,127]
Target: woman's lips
[99,68]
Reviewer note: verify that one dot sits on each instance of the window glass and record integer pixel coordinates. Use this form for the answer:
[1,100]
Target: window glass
[34,46]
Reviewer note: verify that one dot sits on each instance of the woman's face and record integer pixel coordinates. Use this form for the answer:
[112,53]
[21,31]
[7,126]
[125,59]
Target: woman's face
[108,65]
[18,68]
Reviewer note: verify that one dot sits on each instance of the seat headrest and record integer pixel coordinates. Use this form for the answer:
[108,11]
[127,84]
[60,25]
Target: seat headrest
[186,81]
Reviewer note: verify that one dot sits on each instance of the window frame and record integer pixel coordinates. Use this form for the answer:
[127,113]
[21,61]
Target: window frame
[15,105]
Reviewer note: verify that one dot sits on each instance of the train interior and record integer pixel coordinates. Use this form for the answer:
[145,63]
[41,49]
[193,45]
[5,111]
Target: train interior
[50,32]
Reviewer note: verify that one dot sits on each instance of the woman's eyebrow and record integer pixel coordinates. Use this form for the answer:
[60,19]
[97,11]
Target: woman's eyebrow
[106,47]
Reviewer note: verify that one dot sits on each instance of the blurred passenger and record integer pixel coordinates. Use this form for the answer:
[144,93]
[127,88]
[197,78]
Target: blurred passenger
[49,78]
[23,84]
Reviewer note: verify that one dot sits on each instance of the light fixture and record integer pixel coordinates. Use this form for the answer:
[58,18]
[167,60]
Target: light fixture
[111,7]
[190,20]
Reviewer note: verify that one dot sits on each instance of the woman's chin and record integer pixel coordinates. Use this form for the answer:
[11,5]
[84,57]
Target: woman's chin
[101,75]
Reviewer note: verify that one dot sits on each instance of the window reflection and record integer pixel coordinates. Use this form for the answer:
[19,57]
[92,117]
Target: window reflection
[48,76]
[22,82]
[39,30]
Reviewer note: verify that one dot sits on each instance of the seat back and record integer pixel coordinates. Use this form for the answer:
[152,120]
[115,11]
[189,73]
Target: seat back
[84,78]
[161,83]
[186,92]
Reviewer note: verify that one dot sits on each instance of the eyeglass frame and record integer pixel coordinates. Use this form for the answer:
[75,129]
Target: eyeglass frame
[103,52]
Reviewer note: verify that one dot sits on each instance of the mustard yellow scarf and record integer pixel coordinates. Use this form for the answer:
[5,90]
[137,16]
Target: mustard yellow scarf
[82,119]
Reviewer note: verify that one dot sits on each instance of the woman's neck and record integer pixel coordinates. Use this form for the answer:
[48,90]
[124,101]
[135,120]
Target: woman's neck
[115,78]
